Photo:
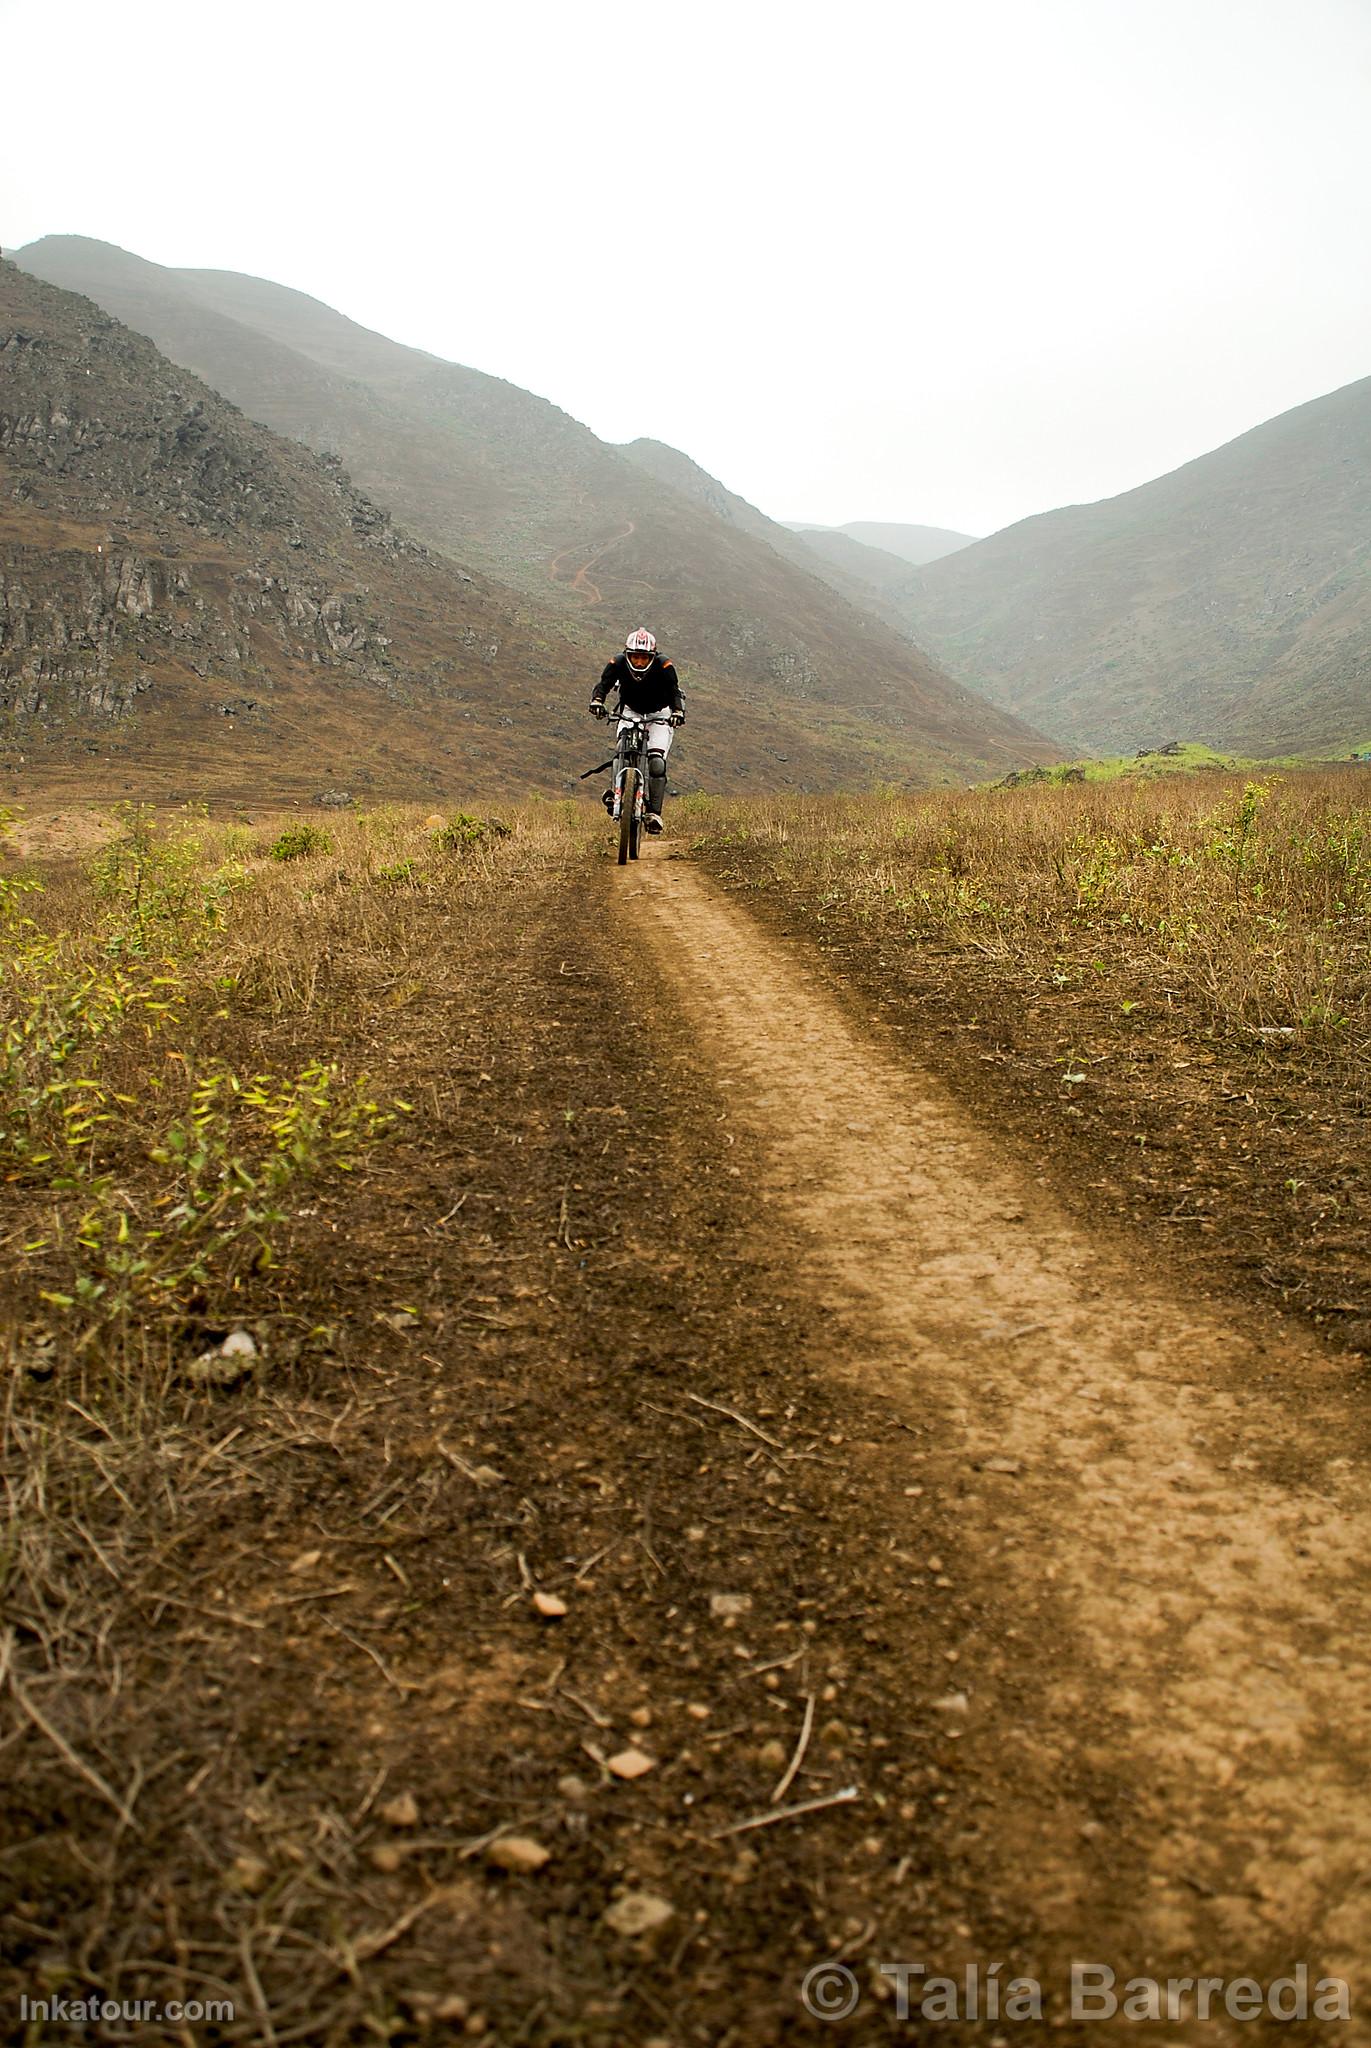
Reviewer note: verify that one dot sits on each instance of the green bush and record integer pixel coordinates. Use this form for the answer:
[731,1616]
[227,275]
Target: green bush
[148,880]
[462,832]
[298,842]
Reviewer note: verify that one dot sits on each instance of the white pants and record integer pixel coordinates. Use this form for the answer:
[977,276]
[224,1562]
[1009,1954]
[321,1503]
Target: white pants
[660,731]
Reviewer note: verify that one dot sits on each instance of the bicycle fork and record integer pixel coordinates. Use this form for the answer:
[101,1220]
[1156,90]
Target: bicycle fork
[617,812]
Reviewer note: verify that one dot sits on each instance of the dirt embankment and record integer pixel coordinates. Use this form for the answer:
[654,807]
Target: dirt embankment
[869,1481]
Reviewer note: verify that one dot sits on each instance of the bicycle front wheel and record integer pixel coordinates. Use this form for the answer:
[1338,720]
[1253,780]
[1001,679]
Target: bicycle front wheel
[628,818]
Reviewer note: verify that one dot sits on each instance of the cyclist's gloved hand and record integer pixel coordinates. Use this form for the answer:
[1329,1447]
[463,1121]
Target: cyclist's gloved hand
[597,709]
[677,718]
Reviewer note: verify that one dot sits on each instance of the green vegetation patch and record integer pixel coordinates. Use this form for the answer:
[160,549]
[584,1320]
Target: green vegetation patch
[299,842]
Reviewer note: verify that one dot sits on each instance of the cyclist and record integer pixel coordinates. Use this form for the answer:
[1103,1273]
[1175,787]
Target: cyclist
[647,683]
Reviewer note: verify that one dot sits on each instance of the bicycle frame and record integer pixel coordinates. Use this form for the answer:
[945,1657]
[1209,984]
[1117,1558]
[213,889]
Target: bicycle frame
[631,752]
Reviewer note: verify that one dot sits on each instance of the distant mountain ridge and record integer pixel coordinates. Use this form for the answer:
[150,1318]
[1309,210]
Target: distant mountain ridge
[1229,601]
[854,575]
[916,544]
[507,485]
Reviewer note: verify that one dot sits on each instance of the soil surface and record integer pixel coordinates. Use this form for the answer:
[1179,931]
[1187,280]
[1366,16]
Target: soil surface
[701,1415]
[572,566]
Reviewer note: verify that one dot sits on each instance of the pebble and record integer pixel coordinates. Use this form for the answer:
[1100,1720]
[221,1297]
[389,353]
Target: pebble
[401,1812]
[212,1369]
[549,1605]
[631,1763]
[519,1853]
[638,1913]
[722,1605]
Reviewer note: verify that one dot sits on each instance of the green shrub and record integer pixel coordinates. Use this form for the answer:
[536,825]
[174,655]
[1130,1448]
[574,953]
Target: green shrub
[148,878]
[298,842]
[462,832]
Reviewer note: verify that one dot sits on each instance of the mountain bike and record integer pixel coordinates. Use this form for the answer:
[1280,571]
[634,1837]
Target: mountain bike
[626,798]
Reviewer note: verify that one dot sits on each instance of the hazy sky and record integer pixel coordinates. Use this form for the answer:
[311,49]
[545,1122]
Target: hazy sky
[948,263]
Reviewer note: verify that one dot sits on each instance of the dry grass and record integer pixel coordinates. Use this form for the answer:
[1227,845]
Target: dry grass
[188,1025]
[1251,897]
[1161,988]
[174,1009]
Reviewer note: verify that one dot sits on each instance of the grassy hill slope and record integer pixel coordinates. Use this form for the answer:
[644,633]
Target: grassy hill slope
[816,688]
[189,602]
[1229,600]
[839,555]
[192,605]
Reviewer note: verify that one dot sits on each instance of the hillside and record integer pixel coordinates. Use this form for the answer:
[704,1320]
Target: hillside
[196,604]
[856,562]
[1229,601]
[815,686]
[916,544]
[850,574]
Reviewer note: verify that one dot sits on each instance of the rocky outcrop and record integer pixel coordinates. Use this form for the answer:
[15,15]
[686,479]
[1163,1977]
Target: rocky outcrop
[148,530]
[90,632]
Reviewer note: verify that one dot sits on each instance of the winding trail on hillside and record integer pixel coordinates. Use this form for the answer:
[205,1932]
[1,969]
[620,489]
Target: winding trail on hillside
[578,578]
[1172,1562]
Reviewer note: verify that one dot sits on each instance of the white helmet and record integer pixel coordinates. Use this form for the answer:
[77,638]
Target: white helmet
[640,647]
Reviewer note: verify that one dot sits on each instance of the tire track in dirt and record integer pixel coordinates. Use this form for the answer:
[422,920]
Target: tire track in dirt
[1178,1558]
[579,579]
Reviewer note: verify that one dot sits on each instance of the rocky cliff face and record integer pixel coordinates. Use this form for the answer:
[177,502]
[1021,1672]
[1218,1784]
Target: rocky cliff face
[144,524]
[89,634]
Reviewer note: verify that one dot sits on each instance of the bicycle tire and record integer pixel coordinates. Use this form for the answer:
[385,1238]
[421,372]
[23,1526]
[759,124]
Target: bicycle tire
[628,824]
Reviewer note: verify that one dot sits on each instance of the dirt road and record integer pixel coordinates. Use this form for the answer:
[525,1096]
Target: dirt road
[572,566]
[707,1513]
[1172,1563]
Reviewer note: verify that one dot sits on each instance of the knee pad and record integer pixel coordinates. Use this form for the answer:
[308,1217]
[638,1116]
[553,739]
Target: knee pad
[656,763]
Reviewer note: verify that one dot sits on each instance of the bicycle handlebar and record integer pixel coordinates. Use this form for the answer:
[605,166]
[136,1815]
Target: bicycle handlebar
[643,717]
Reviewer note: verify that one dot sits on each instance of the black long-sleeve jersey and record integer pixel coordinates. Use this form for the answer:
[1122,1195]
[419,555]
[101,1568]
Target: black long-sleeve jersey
[641,689]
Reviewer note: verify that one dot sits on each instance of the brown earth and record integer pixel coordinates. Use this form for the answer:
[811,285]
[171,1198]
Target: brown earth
[687,1282]
[1238,1153]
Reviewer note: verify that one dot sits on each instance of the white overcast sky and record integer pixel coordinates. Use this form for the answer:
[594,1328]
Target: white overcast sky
[948,263]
